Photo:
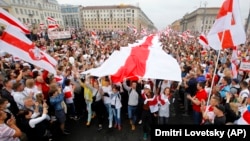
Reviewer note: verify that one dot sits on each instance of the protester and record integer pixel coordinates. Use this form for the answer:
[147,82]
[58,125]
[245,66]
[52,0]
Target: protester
[201,88]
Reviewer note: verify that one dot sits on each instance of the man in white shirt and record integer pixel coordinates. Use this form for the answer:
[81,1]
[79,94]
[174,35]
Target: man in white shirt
[19,94]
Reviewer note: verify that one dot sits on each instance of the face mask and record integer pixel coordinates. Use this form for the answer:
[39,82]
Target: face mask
[8,105]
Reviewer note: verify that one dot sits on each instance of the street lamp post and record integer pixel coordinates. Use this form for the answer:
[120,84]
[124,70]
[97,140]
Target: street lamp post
[32,26]
[204,16]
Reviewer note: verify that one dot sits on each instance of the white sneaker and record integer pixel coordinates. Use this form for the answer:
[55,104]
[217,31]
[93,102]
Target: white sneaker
[140,122]
[110,125]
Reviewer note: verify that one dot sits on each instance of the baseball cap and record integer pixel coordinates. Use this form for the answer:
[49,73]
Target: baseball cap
[26,65]
[147,86]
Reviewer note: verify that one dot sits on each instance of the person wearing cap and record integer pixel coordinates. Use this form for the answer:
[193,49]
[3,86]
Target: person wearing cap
[150,109]
[220,118]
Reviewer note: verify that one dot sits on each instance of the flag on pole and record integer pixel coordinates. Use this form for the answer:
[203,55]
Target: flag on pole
[52,24]
[16,43]
[227,30]
[9,20]
[203,41]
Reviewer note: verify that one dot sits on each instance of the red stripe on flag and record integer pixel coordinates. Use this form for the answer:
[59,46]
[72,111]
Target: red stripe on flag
[226,7]
[16,42]
[246,116]
[204,39]
[153,102]
[227,41]
[12,22]
[135,64]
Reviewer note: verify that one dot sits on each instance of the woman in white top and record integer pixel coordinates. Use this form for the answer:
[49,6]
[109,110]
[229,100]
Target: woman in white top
[107,90]
[164,102]
[31,89]
[116,106]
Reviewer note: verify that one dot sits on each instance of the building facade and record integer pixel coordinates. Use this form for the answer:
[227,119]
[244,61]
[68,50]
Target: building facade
[176,25]
[200,20]
[71,16]
[34,12]
[117,17]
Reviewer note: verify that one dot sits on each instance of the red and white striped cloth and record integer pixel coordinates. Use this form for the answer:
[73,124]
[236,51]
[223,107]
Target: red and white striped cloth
[245,118]
[145,60]
[227,30]
[52,24]
[203,41]
[152,103]
[16,43]
[9,20]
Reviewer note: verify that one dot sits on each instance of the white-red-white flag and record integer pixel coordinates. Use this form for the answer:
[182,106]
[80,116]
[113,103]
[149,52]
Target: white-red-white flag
[227,30]
[93,34]
[52,24]
[16,43]
[143,61]
[9,20]
[51,20]
[245,118]
[203,41]
[152,102]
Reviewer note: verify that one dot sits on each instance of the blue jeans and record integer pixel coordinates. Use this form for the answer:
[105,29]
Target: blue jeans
[89,109]
[117,114]
[197,117]
[132,113]
[110,114]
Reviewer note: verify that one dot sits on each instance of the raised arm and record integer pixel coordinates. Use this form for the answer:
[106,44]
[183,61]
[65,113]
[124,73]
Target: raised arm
[126,87]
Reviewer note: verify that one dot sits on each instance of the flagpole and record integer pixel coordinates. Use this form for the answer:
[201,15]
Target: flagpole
[216,66]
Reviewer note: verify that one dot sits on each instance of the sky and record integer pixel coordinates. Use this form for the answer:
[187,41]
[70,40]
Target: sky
[163,12]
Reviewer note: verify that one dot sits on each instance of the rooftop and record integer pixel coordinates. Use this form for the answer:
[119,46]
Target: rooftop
[109,7]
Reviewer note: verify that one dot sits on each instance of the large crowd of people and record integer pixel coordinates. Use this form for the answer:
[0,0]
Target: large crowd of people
[32,99]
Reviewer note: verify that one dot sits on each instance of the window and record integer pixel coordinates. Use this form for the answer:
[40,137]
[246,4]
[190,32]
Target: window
[36,13]
[16,10]
[21,11]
